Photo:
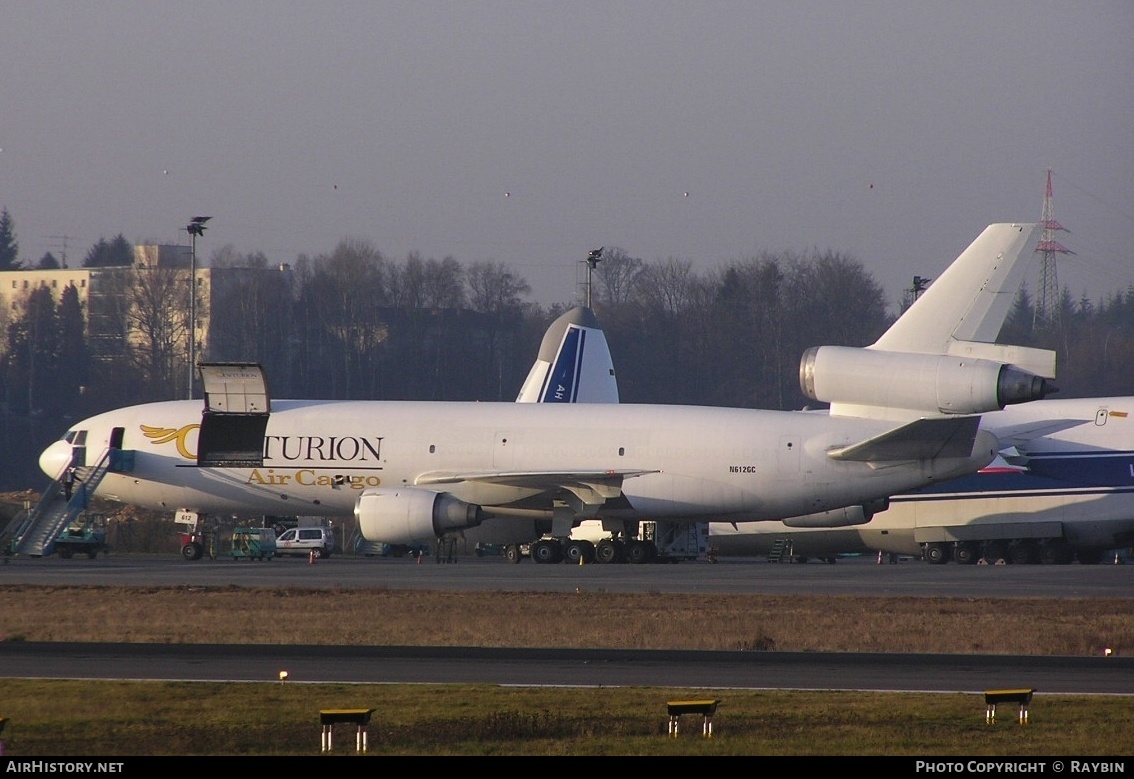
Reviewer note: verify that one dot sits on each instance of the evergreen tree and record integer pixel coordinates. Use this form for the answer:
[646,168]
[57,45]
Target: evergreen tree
[29,364]
[9,248]
[47,262]
[106,254]
[73,364]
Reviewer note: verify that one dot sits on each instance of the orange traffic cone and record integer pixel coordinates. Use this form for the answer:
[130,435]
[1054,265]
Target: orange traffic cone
[311,558]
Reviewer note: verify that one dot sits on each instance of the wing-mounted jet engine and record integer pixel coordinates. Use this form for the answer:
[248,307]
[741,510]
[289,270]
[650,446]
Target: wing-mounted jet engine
[404,516]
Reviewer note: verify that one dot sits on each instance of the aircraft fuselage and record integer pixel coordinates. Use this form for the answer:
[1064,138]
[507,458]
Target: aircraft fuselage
[319,456]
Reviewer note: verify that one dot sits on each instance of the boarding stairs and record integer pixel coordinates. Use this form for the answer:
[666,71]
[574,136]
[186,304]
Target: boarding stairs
[33,532]
[780,547]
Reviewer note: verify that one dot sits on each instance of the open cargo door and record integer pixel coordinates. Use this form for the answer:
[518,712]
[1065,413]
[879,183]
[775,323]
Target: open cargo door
[236,413]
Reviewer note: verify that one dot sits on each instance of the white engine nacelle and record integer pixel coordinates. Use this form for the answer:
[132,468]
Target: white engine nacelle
[844,517]
[920,382]
[412,516]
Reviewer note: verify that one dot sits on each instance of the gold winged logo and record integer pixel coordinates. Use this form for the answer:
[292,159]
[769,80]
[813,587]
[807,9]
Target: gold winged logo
[163,435]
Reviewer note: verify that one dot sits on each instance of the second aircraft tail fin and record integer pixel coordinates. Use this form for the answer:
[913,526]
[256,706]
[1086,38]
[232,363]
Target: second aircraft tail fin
[573,365]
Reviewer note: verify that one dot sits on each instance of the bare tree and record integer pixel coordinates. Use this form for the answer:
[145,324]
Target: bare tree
[426,284]
[444,284]
[158,324]
[345,294]
[495,289]
[617,275]
[668,287]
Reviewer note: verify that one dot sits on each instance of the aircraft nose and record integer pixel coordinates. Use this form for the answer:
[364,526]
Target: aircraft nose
[55,459]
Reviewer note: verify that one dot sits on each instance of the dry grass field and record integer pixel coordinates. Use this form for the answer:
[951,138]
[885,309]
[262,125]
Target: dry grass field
[384,617]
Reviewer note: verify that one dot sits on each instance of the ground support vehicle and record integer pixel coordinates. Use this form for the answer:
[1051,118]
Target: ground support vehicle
[199,536]
[253,543]
[306,541]
[76,540]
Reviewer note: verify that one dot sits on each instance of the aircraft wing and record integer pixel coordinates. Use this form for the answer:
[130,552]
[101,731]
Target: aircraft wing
[593,487]
[532,479]
[922,439]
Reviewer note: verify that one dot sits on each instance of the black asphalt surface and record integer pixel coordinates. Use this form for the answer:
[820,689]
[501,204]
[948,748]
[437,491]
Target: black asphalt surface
[849,576]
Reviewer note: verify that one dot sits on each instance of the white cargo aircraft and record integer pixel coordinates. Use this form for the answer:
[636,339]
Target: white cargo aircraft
[904,413]
[1064,491]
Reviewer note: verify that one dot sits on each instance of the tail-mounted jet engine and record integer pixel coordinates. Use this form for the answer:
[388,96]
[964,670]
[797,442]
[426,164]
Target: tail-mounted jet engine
[928,383]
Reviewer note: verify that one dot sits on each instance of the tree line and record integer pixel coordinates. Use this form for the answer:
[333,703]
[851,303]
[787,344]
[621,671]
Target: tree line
[355,324]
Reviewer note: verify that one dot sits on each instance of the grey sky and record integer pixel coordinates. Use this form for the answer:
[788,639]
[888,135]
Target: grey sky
[530,132]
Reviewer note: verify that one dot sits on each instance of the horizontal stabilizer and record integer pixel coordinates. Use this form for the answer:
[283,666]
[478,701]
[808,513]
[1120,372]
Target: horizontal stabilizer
[1040,362]
[1013,435]
[922,439]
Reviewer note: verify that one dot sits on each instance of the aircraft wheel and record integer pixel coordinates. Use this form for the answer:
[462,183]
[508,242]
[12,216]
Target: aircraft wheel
[512,553]
[937,553]
[994,551]
[606,551]
[1056,552]
[546,551]
[1024,553]
[966,553]
[638,552]
[65,554]
[93,554]
[574,551]
[192,551]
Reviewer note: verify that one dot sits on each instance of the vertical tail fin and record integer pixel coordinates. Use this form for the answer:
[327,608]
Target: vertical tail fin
[971,299]
[574,363]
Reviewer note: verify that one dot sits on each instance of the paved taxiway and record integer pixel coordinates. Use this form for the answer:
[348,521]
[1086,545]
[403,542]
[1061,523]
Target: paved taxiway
[568,667]
[678,669]
[849,576]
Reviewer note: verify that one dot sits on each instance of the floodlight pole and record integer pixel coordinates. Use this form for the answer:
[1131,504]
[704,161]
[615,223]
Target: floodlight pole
[593,259]
[192,308]
[196,227]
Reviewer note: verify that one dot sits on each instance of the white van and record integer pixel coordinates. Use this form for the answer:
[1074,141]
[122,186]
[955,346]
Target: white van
[303,541]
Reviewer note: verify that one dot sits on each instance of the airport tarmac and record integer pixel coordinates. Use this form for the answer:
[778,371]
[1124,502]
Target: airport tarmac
[848,576]
[569,667]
